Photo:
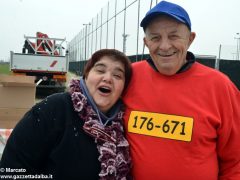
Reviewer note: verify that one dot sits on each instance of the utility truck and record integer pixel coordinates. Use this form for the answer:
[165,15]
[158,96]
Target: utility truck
[42,57]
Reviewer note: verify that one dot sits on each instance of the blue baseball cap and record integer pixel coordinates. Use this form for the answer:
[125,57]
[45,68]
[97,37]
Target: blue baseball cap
[166,8]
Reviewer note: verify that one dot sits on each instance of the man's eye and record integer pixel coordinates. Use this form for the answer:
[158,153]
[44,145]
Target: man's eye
[173,37]
[155,38]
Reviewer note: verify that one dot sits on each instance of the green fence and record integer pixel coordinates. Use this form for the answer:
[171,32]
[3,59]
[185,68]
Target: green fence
[229,67]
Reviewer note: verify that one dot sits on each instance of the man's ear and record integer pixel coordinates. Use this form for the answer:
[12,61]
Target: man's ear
[191,37]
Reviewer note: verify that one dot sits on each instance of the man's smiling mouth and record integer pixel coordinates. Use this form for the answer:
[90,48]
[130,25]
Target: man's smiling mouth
[166,55]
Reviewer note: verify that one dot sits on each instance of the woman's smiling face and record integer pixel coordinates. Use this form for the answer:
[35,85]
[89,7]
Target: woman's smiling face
[105,82]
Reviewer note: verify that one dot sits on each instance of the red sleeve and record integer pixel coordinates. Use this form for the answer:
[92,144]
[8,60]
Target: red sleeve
[228,143]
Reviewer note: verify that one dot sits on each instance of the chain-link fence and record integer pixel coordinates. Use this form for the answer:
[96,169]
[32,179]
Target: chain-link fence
[229,52]
[115,26]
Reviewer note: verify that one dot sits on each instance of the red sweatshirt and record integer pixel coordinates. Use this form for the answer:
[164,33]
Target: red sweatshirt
[183,127]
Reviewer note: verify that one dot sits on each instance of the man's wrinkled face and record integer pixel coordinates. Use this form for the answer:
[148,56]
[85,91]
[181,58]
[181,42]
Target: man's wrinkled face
[168,41]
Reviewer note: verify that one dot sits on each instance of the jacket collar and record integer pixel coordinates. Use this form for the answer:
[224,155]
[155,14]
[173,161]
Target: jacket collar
[190,61]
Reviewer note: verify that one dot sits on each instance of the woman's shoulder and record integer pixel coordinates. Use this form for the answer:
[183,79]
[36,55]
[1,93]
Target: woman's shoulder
[54,102]
[38,131]
[53,111]
[56,98]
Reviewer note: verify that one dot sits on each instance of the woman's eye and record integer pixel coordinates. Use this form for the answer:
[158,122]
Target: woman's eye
[100,70]
[118,76]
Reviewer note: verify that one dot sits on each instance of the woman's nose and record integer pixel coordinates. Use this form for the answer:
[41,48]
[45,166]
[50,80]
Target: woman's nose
[107,77]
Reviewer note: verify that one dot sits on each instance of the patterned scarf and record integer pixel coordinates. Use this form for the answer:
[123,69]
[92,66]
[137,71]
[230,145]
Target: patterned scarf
[111,143]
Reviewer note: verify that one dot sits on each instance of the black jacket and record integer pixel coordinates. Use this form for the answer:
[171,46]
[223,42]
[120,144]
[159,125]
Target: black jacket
[49,139]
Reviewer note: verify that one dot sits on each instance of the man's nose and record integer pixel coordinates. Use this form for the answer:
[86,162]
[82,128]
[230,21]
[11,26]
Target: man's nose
[164,44]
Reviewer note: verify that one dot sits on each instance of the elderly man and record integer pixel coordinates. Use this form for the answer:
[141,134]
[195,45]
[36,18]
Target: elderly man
[182,118]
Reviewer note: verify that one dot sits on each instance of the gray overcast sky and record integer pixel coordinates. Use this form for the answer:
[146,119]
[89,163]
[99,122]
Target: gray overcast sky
[214,21]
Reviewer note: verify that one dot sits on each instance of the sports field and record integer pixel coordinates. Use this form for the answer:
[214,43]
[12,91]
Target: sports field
[4,68]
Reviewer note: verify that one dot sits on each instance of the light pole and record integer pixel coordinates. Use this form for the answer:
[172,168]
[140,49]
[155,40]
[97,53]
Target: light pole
[86,25]
[238,44]
[124,42]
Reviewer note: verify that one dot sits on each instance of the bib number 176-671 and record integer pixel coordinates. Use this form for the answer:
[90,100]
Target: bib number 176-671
[161,125]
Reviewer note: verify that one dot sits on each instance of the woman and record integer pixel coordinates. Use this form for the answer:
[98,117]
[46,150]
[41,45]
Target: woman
[78,134]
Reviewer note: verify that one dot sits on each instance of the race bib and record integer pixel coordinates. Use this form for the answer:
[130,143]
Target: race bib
[161,125]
